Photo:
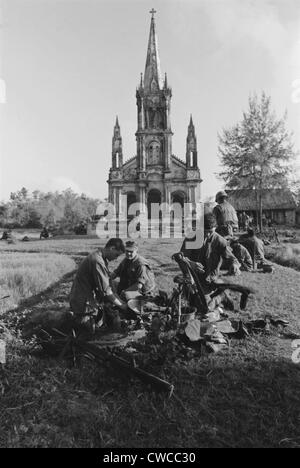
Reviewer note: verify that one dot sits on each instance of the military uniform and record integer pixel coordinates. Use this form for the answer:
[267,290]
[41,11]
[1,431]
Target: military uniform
[132,272]
[226,218]
[255,246]
[92,282]
[214,251]
[211,255]
[243,256]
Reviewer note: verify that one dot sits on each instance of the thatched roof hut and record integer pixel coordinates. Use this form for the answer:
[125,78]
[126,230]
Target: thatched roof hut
[272,199]
[278,204]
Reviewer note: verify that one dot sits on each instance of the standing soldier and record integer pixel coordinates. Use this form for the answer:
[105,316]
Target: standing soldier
[225,215]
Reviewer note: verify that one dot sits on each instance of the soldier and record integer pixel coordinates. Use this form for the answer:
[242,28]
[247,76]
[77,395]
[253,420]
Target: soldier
[225,215]
[242,255]
[243,217]
[214,251]
[92,284]
[255,246]
[134,272]
[7,235]
[44,233]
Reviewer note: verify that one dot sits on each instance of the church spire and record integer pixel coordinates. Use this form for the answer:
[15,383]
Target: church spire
[142,81]
[117,147]
[166,82]
[152,75]
[191,146]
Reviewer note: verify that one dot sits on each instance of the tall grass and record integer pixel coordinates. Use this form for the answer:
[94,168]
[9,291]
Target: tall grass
[25,274]
[286,255]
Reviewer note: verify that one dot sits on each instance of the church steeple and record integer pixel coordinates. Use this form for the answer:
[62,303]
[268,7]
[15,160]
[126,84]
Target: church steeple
[191,146]
[152,75]
[117,150]
[166,82]
[154,174]
[153,98]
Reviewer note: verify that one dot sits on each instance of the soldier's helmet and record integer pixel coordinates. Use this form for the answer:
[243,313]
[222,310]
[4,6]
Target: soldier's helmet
[131,246]
[221,194]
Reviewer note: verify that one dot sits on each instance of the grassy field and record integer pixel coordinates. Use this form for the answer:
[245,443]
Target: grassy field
[246,396]
[26,274]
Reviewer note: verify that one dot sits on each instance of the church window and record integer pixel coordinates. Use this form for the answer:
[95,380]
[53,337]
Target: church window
[154,153]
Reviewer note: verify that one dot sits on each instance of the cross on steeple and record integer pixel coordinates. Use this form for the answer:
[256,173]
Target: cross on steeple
[152,75]
[152,12]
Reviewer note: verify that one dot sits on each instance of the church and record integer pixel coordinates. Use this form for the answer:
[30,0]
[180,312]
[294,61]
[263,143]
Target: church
[155,174]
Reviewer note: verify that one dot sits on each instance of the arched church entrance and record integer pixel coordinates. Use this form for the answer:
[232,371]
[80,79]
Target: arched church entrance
[178,197]
[177,214]
[154,196]
[131,198]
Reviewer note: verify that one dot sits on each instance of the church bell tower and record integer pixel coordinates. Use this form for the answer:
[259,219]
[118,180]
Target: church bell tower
[153,96]
[154,175]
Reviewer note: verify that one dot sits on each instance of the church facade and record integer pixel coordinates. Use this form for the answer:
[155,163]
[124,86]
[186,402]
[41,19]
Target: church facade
[155,174]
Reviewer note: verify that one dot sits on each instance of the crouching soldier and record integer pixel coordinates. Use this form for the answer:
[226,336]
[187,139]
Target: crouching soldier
[135,272]
[241,253]
[255,247]
[44,233]
[91,293]
[210,256]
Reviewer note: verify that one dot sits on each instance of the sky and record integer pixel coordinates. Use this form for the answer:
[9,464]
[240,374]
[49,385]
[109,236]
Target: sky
[67,68]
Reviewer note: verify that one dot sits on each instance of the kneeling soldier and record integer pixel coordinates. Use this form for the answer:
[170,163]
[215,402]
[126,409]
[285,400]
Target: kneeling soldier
[134,272]
[92,288]
[241,253]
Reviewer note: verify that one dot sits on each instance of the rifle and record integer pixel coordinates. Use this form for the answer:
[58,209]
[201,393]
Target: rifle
[98,355]
[70,343]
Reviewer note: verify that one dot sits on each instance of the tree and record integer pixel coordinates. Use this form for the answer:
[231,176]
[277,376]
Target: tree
[3,214]
[257,152]
[34,210]
[21,195]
